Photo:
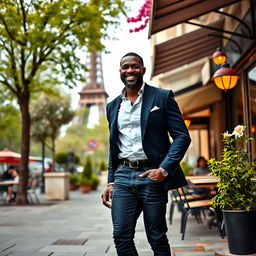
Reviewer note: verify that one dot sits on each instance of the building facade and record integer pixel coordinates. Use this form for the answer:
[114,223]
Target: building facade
[184,36]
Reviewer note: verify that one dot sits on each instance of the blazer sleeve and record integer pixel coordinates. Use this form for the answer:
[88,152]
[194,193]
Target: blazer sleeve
[179,133]
[110,166]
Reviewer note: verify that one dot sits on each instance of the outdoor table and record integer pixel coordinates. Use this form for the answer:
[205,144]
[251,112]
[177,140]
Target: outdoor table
[8,182]
[203,181]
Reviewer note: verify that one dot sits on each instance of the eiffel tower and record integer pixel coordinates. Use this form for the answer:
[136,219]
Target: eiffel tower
[93,92]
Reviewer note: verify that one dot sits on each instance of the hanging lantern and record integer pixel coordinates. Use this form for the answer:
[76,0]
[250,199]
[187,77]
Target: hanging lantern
[225,78]
[187,121]
[219,57]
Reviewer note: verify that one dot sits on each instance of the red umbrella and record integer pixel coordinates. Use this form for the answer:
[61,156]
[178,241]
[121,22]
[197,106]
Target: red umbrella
[10,157]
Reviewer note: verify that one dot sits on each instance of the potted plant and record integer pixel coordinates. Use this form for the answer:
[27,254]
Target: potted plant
[85,184]
[95,181]
[236,191]
[85,180]
[73,181]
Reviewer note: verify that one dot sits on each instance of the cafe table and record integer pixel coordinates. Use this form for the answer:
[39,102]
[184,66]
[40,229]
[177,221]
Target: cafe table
[8,182]
[203,181]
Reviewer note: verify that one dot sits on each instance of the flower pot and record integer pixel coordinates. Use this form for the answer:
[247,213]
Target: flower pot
[85,188]
[241,231]
[72,186]
[94,187]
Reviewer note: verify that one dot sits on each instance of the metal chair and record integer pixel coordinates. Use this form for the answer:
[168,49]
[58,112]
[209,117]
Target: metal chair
[3,196]
[175,200]
[195,207]
[31,191]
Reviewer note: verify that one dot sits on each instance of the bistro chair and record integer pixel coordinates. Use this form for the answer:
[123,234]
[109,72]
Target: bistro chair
[175,201]
[31,191]
[195,207]
[3,196]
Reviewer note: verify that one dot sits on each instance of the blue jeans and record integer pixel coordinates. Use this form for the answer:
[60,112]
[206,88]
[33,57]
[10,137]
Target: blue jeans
[132,195]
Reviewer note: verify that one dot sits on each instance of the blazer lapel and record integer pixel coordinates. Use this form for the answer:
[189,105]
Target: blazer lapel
[147,102]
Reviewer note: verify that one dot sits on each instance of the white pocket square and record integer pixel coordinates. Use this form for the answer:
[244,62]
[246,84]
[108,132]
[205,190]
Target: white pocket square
[154,108]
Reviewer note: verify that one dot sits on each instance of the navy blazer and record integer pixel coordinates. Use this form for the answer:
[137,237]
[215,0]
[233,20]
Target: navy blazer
[156,126]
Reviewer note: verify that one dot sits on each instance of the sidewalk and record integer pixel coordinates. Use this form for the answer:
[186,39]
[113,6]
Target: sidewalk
[81,226]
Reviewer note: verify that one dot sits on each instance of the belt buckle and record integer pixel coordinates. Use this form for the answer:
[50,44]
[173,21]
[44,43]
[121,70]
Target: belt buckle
[136,166]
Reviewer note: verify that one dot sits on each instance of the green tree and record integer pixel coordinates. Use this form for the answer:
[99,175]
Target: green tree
[38,42]
[62,158]
[47,119]
[9,127]
[88,170]
[102,166]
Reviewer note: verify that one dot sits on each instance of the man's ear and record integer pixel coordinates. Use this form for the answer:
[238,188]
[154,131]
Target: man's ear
[144,70]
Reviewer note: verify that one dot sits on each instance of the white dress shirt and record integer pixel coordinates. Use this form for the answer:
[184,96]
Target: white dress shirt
[129,128]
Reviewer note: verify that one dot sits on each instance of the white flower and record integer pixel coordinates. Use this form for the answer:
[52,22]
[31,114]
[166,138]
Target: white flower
[226,135]
[238,131]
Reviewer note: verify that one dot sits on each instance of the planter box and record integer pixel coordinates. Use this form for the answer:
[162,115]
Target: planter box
[57,185]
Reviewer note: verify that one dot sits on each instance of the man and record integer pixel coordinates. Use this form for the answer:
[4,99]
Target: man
[143,164]
[8,175]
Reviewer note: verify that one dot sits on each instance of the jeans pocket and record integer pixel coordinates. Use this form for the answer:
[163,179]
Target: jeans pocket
[154,181]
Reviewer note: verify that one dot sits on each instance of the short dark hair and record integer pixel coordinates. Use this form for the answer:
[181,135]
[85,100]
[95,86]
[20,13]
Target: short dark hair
[199,159]
[133,54]
[12,166]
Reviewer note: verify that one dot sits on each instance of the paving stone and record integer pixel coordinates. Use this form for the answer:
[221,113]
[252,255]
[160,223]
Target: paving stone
[64,248]
[25,254]
[33,229]
[68,254]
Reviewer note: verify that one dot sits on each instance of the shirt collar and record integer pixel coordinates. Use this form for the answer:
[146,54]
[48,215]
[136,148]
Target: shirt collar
[140,92]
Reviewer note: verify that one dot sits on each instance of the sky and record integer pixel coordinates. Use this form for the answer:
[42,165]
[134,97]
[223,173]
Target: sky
[125,42]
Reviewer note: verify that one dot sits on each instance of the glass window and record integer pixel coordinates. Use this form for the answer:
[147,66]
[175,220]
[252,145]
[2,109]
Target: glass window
[252,95]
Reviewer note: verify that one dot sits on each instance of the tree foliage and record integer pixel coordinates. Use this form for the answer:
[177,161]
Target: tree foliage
[48,117]
[88,169]
[62,158]
[39,39]
[38,42]
[9,127]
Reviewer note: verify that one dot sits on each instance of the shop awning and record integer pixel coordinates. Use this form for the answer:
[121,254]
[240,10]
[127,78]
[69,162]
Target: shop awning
[198,99]
[10,157]
[185,49]
[168,13]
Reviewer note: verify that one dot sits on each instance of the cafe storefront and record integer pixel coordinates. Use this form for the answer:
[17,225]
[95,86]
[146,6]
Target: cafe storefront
[184,36]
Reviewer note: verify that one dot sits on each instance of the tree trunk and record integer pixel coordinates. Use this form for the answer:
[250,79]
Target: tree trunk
[43,168]
[53,152]
[25,145]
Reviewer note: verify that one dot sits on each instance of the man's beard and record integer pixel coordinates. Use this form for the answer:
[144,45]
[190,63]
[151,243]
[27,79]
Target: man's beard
[137,83]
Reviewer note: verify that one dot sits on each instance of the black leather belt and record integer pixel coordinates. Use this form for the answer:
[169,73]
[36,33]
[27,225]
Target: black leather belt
[137,164]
